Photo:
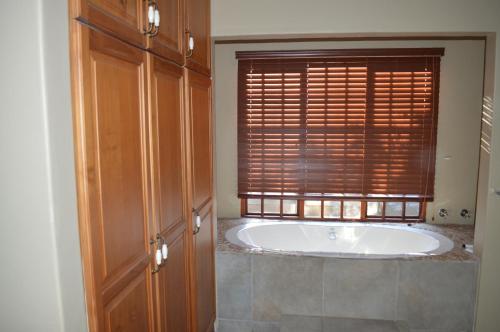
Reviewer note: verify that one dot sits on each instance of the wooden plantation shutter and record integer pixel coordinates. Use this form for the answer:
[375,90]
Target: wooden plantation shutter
[338,123]
[271,128]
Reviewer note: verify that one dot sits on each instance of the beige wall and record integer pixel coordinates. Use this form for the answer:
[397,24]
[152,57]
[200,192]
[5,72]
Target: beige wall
[56,83]
[458,123]
[40,280]
[285,17]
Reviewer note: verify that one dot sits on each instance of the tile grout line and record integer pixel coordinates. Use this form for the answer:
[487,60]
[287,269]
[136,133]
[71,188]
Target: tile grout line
[251,287]
[323,310]
[396,302]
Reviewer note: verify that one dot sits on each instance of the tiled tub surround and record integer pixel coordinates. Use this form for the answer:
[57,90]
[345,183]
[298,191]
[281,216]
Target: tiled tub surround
[259,291]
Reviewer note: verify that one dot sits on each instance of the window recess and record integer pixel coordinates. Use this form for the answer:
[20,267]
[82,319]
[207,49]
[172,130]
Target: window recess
[355,127]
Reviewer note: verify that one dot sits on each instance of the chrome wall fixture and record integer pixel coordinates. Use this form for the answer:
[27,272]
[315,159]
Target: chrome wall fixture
[443,213]
[466,214]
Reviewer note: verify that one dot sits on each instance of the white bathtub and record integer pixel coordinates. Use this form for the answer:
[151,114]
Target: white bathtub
[365,240]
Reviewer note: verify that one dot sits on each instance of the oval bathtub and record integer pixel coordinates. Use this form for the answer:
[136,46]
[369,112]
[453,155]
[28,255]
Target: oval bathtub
[361,240]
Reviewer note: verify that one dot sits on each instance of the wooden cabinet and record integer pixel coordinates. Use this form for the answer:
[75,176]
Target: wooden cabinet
[169,193]
[198,27]
[124,19]
[198,103]
[113,189]
[143,147]
[169,41]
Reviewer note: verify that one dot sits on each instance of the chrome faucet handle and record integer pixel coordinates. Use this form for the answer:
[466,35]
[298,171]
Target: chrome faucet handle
[443,213]
[465,214]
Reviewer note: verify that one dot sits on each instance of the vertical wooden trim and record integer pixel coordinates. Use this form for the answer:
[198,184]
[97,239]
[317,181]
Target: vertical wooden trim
[403,211]
[78,51]
[147,167]
[262,207]
[363,211]
[189,200]
[243,207]
[423,211]
[186,185]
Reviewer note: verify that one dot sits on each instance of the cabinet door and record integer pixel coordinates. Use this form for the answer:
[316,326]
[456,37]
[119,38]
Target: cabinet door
[204,272]
[168,43]
[198,27]
[169,175]
[200,122]
[110,117]
[198,93]
[122,18]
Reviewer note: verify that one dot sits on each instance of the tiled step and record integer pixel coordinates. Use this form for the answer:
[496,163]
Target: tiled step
[296,323]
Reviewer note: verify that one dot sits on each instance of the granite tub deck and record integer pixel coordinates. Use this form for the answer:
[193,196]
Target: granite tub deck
[262,291]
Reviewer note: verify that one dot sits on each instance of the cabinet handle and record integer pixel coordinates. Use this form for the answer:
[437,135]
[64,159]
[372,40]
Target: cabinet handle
[164,251]
[190,44]
[158,257]
[152,13]
[156,22]
[161,252]
[197,223]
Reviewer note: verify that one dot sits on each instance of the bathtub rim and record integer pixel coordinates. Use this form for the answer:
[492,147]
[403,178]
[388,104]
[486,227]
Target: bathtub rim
[446,244]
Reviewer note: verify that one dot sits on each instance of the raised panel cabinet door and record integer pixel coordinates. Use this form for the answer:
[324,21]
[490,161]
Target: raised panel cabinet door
[204,273]
[198,100]
[110,121]
[169,40]
[169,187]
[198,27]
[124,19]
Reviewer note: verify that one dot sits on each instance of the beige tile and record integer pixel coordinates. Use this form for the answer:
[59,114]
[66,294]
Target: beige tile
[286,285]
